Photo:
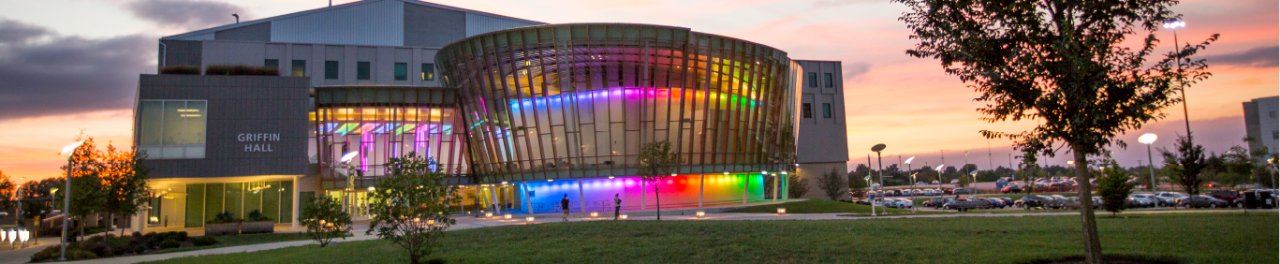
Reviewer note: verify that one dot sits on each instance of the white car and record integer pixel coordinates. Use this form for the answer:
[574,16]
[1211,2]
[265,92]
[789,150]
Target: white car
[1169,198]
[900,203]
[906,192]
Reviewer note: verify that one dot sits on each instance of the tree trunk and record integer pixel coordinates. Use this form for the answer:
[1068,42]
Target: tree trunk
[1092,246]
[656,202]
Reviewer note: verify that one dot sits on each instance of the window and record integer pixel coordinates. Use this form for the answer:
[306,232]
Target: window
[813,79]
[271,63]
[826,110]
[428,72]
[172,129]
[1275,134]
[807,110]
[299,68]
[362,70]
[828,81]
[330,70]
[402,71]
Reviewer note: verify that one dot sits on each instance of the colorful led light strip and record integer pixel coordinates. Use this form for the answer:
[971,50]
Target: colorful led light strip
[631,93]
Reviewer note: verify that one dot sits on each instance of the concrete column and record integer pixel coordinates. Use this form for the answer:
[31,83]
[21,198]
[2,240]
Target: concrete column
[497,205]
[702,182]
[775,187]
[582,202]
[296,209]
[643,192]
[527,201]
[746,182]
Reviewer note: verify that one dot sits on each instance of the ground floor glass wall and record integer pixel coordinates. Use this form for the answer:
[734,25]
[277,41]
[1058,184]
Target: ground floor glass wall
[194,204]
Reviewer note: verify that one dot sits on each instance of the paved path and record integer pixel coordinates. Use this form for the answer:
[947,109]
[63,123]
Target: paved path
[466,222]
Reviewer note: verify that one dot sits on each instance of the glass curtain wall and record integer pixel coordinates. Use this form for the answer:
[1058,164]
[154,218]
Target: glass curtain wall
[580,100]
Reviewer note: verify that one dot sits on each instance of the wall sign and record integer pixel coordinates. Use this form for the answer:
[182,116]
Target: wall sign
[258,142]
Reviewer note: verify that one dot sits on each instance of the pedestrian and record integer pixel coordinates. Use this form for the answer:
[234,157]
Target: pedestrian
[564,204]
[617,206]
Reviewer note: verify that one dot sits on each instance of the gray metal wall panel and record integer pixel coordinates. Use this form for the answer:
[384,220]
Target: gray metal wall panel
[479,24]
[260,32]
[426,26]
[238,104]
[823,139]
[372,23]
[233,52]
[180,52]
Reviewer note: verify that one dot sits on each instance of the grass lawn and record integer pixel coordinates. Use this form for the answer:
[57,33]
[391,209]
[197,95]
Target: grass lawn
[1186,238]
[816,206]
[240,240]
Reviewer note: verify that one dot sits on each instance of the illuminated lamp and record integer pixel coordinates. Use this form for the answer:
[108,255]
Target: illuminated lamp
[624,217]
[701,214]
[782,210]
[528,219]
[506,216]
[488,214]
[548,180]
[726,173]
[594,214]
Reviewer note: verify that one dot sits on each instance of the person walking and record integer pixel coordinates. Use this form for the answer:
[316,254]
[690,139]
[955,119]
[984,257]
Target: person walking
[617,206]
[564,204]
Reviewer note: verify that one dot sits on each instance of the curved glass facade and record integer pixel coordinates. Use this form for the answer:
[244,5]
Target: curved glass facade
[579,100]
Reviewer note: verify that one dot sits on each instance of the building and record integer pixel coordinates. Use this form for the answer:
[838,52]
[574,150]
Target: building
[518,112]
[823,146]
[1261,124]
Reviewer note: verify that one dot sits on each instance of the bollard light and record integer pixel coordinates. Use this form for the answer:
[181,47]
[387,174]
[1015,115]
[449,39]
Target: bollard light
[782,211]
[506,216]
[528,219]
[624,217]
[488,214]
[594,214]
[701,214]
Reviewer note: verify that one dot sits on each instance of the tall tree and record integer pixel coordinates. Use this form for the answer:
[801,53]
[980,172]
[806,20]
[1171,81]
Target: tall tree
[1062,63]
[409,205]
[1184,165]
[87,194]
[832,184]
[7,193]
[1114,187]
[126,182]
[655,163]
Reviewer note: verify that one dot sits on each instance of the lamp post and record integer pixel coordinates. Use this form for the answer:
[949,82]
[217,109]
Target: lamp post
[912,183]
[1175,25]
[880,165]
[1147,139]
[345,162]
[68,150]
[939,169]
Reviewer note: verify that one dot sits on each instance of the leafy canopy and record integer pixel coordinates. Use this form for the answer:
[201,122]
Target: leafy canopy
[409,205]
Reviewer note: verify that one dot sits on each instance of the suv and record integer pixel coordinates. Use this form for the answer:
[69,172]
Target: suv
[1031,201]
[1169,198]
[937,203]
[965,204]
[1140,200]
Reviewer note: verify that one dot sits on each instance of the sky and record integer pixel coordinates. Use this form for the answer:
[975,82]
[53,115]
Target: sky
[68,66]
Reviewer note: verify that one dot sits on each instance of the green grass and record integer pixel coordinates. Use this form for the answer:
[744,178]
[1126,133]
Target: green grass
[1187,238]
[815,206]
[240,240]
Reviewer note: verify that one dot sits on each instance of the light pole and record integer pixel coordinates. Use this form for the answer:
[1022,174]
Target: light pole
[1175,25]
[912,183]
[345,162]
[879,164]
[68,150]
[939,169]
[1147,139]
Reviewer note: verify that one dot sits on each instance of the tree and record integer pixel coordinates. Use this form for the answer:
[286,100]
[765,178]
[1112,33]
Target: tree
[409,205]
[655,163]
[857,185]
[797,186]
[1185,165]
[1029,169]
[1114,187]
[832,184]
[87,194]
[36,197]
[7,195]
[1064,64]
[126,182]
[325,219]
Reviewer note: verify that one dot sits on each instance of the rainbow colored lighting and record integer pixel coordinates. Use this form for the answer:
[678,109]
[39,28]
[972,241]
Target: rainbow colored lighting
[634,93]
[677,191]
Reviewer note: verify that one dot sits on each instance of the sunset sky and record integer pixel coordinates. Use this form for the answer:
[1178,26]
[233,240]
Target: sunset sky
[67,65]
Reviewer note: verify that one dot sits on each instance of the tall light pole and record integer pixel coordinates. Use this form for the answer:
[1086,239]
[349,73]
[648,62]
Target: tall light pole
[879,164]
[1147,139]
[1175,25]
[68,150]
[912,183]
[345,162]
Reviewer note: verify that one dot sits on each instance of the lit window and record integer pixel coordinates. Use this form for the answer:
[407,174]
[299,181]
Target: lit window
[362,70]
[807,110]
[299,68]
[826,110]
[172,129]
[330,70]
[428,72]
[402,71]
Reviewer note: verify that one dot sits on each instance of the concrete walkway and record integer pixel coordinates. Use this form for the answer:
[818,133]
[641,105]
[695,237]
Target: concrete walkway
[467,222]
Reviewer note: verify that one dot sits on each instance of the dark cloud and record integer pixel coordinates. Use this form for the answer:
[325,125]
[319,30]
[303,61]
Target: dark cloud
[60,75]
[856,69]
[17,32]
[186,14]
[1260,57]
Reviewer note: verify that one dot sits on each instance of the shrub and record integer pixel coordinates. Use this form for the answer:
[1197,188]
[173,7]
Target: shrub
[797,186]
[175,235]
[222,218]
[241,70]
[832,184]
[170,243]
[204,241]
[436,261]
[80,254]
[256,215]
[325,220]
[180,70]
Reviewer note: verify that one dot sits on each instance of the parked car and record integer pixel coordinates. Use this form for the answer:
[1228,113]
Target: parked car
[1169,198]
[1202,201]
[1007,201]
[1011,189]
[948,191]
[962,191]
[965,204]
[1140,201]
[1097,202]
[1230,196]
[1030,201]
[901,203]
[1056,202]
[997,203]
[906,192]
[937,203]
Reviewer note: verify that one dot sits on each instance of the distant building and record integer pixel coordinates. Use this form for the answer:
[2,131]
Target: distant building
[823,144]
[1260,122]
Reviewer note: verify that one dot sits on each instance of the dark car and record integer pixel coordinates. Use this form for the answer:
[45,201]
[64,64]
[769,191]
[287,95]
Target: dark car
[997,203]
[1202,201]
[1011,189]
[1030,201]
[1007,201]
[937,202]
[962,191]
[965,204]
[1226,195]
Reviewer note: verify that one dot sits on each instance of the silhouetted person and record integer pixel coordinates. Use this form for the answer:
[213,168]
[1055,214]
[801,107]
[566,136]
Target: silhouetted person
[617,206]
[564,204]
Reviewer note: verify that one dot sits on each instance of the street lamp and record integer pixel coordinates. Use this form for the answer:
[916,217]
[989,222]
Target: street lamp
[880,164]
[345,162]
[1147,139]
[68,150]
[912,183]
[939,169]
[1175,25]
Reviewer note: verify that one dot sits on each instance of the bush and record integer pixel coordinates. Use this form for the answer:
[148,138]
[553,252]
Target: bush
[241,70]
[223,218]
[436,261]
[256,215]
[170,243]
[797,186]
[204,241]
[53,252]
[180,70]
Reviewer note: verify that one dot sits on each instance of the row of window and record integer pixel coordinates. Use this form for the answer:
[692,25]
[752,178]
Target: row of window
[807,110]
[828,80]
[172,129]
[331,70]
